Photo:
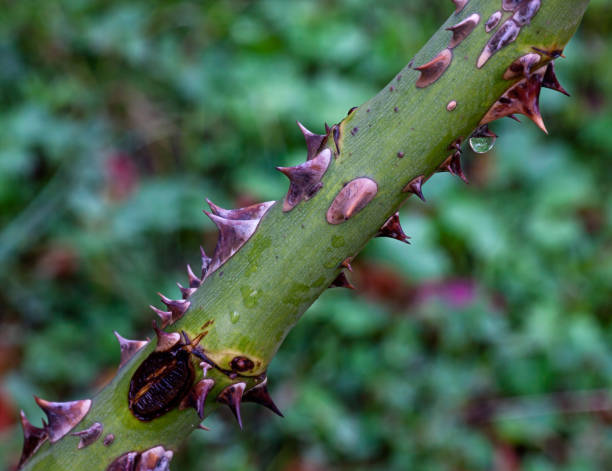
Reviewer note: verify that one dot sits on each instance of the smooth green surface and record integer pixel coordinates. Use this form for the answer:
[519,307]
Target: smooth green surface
[479,236]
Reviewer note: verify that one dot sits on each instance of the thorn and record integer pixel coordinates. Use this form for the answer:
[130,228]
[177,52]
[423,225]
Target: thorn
[232,397]
[512,116]
[128,348]
[165,340]
[89,435]
[155,459]
[553,54]
[33,437]
[194,281]
[205,367]
[203,427]
[393,229]
[550,80]
[255,211]
[433,70]
[351,199]
[327,129]
[233,234]
[336,134]
[186,292]
[341,281]
[63,416]
[165,316]
[346,263]
[200,391]
[205,262]
[352,109]
[460,5]
[452,165]
[463,29]
[415,186]
[177,307]
[313,141]
[305,179]
[260,395]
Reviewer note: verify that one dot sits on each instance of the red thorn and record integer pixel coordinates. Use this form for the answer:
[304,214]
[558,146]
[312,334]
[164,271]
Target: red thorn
[186,292]
[550,80]
[313,141]
[165,316]
[201,390]
[63,416]
[33,437]
[415,186]
[327,129]
[393,229]
[232,397]
[452,165]
[165,340]
[305,179]
[194,281]
[177,307]
[341,281]
[128,348]
[233,234]
[203,427]
[260,395]
[255,211]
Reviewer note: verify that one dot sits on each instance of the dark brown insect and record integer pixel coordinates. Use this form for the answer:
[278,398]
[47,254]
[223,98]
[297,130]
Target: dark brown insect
[163,379]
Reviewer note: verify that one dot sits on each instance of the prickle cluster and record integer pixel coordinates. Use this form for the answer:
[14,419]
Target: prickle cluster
[523,97]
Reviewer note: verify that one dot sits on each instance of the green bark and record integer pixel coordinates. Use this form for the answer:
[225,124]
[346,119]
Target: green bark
[259,294]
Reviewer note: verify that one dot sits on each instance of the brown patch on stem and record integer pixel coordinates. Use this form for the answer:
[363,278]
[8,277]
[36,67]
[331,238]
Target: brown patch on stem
[351,199]
[433,70]
[493,21]
[463,29]
[522,66]
[89,435]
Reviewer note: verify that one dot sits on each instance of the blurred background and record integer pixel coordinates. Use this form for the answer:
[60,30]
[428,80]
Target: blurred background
[486,344]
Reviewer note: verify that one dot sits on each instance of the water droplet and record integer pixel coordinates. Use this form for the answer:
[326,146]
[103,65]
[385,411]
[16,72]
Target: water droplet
[234,317]
[482,145]
[250,296]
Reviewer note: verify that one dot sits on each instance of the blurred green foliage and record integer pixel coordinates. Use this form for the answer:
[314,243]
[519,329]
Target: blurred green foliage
[484,345]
